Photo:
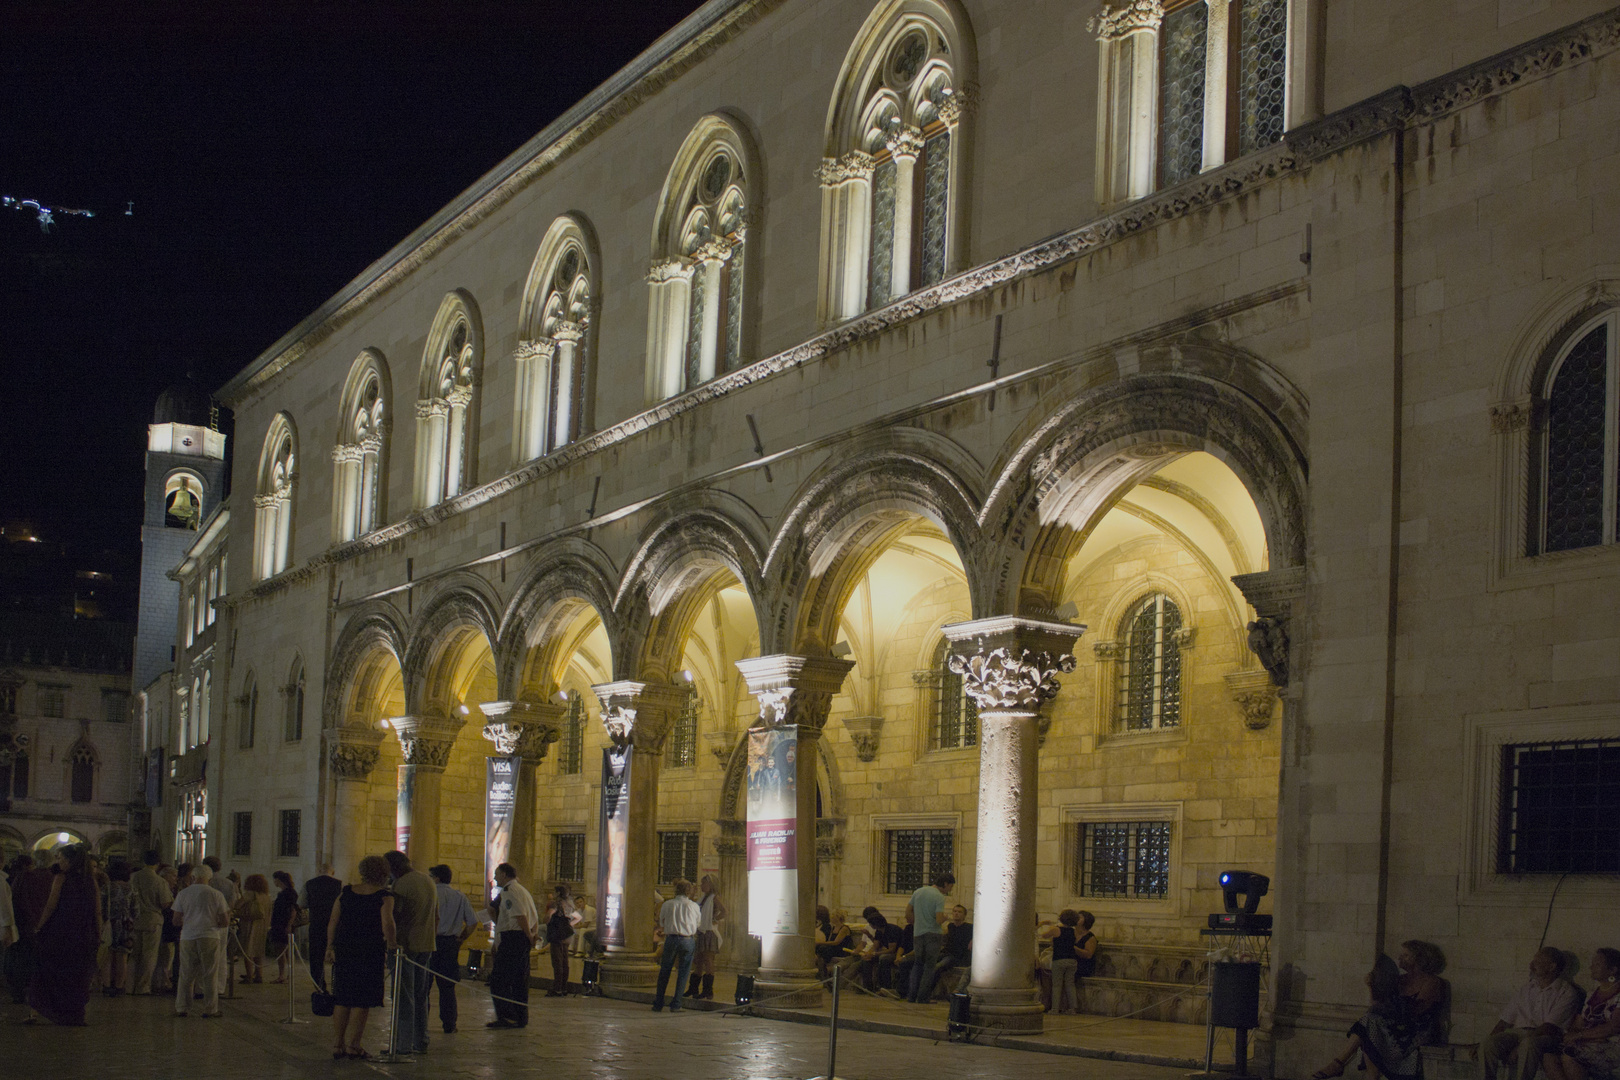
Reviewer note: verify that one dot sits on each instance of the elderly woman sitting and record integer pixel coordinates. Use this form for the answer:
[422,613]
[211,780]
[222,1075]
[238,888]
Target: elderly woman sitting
[1386,1035]
[1592,1045]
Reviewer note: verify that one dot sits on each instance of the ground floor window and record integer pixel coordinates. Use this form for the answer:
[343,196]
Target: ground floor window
[1125,860]
[244,835]
[917,856]
[677,856]
[1557,801]
[291,829]
[568,857]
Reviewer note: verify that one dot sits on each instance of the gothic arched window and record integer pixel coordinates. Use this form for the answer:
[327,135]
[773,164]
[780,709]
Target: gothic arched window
[1149,669]
[360,457]
[891,212]
[1172,72]
[1579,485]
[273,502]
[555,350]
[247,725]
[293,722]
[699,245]
[446,407]
[82,766]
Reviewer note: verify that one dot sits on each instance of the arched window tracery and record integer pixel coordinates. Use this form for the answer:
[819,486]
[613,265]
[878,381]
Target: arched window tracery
[891,180]
[446,421]
[359,459]
[555,353]
[697,280]
[273,502]
[82,773]
[1149,671]
[1579,442]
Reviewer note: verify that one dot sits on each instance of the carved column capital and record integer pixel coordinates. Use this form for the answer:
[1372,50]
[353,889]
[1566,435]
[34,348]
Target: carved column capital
[855,165]
[721,744]
[427,409]
[348,452]
[351,751]
[1107,650]
[866,733]
[1510,416]
[1255,695]
[639,714]
[523,729]
[669,270]
[571,332]
[904,140]
[1009,664]
[1115,22]
[794,689]
[957,102]
[537,349]
[425,741]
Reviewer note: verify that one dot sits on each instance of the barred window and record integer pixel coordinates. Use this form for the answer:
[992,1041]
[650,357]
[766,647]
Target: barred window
[1578,476]
[1183,43]
[1262,37]
[8,698]
[291,831]
[243,839]
[53,701]
[953,716]
[568,857]
[1149,670]
[1557,801]
[1125,860]
[683,735]
[571,754]
[917,856]
[114,706]
[677,856]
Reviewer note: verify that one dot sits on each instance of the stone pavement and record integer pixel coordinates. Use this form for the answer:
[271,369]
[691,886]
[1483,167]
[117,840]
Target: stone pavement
[140,1039]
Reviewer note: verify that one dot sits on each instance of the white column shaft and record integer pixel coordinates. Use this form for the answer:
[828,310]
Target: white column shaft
[1218,37]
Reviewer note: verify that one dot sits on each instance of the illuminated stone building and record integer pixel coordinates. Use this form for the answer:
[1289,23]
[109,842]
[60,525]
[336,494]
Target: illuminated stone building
[1271,343]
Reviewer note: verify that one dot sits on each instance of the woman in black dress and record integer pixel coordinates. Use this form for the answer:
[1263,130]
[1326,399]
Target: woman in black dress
[359,935]
[278,938]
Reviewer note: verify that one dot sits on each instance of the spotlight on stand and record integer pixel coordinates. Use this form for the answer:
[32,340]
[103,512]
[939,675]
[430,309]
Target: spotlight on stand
[590,974]
[957,1020]
[745,990]
[1240,914]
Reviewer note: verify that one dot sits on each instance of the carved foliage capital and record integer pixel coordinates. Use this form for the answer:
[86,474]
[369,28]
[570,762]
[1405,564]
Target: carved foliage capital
[855,165]
[669,270]
[1008,680]
[1133,15]
[1255,695]
[425,741]
[538,349]
[794,690]
[527,741]
[1510,416]
[351,753]
[905,141]
[865,732]
[638,714]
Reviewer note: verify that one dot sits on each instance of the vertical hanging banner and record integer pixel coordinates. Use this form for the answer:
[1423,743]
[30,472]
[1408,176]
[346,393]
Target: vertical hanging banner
[402,808]
[773,821]
[500,807]
[613,846]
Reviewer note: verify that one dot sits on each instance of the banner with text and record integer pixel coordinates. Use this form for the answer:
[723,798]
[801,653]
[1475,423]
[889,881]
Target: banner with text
[613,846]
[773,842]
[402,808]
[500,807]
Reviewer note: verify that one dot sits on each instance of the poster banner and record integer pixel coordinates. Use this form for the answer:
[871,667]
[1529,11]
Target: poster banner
[773,819]
[500,807]
[613,846]
[402,808]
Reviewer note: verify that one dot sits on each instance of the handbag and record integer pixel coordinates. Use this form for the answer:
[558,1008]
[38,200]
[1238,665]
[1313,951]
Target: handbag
[321,1003]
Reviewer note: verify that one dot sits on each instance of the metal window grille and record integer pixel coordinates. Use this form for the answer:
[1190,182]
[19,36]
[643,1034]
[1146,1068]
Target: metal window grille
[1149,672]
[694,327]
[291,830]
[8,700]
[52,702]
[683,739]
[1184,46]
[733,309]
[677,856]
[1577,429]
[568,857]
[1262,71]
[1556,809]
[1127,860]
[114,706]
[244,834]
[935,202]
[916,856]
[571,759]
[954,716]
[880,265]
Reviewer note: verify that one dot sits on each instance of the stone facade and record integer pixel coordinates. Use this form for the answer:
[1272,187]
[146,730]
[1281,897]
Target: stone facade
[1292,395]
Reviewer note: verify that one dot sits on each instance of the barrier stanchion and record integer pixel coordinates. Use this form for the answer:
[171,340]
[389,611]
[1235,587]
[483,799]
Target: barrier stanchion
[832,1029]
[394,1055]
[290,954]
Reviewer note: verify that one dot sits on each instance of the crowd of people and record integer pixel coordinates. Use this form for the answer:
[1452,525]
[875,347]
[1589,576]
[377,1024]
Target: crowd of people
[1550,1026]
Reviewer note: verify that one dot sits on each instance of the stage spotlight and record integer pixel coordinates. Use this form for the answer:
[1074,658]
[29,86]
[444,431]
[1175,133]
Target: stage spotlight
[1249,885]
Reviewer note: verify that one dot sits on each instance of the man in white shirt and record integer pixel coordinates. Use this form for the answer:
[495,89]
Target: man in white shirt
[679,918]
[150,895]
[201,915]
[517,924]
[1534,1021]
[456,924]
[226,888]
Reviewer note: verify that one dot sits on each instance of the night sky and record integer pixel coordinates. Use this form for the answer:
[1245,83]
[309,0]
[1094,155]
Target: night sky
[271,152]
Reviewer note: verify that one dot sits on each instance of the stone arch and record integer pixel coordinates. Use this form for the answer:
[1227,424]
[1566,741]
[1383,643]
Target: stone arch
[447,412]
[567,577]
[679,564]
[374,633]
[463,608]
[838,522]
[360,449]
[1068,467]
[1522,372]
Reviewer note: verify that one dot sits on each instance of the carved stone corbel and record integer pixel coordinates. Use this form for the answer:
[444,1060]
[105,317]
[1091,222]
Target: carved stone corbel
[721,744]
[352,751]
[426,741]
[1255,695]
[865,732]
[639,714]
[1272,594]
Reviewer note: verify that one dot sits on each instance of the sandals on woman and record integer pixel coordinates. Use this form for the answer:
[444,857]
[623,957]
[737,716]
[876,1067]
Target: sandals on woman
[359,1052]
[1333,1070]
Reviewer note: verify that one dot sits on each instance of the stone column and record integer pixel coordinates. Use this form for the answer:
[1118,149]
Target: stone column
[568,335]
[796,690]
[905,146]
[524,730]
[1127,101]
[1008,666]
[351,754]
[533,437]
[846,216]
[670,281]
[425,742]
[637,717]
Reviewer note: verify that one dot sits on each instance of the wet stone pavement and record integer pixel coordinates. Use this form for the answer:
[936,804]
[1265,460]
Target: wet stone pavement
[139,1038]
